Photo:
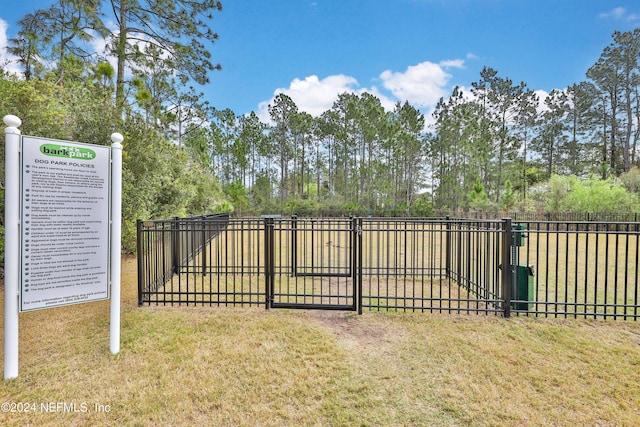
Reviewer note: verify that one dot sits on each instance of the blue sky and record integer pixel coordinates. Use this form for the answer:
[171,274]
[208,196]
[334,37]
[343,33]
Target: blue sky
[415,50]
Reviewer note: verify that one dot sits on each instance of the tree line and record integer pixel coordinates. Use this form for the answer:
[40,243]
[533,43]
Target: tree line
[355,155]
[486,148]
[495,146]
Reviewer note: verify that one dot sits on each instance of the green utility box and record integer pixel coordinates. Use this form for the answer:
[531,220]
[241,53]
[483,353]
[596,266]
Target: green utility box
[523,287]
[518,234]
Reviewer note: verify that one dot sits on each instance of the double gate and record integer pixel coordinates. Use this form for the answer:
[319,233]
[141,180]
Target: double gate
[311,263]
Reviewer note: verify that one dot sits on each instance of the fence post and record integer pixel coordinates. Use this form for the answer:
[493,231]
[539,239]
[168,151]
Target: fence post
[353,254]
[358,266]
[507,276]
[269,259]
[141,256]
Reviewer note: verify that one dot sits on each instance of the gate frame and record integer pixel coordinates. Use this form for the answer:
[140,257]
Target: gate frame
[354,274]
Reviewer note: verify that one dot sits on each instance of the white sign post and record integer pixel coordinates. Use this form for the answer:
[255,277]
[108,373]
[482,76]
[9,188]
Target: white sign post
[12,244]
[63,246]
[116,237]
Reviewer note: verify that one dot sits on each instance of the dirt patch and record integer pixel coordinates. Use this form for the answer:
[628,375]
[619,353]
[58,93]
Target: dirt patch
[353,331]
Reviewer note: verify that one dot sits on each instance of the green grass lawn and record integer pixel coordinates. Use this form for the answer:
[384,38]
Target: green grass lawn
[188,366]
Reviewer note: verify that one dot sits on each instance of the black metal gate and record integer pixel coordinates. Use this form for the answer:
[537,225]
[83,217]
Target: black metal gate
[312,263]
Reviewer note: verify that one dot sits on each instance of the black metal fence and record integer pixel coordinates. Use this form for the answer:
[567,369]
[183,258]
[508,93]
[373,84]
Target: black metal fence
[586,269]
[167,247]
[533,268]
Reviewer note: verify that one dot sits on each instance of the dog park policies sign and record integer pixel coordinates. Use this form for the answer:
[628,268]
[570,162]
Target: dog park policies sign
[62,214]
[65,223]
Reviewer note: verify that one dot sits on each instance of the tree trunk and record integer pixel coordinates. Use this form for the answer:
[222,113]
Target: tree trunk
[121,51]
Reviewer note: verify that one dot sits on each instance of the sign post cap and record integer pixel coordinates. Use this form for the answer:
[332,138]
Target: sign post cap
[12,121]
[117,138]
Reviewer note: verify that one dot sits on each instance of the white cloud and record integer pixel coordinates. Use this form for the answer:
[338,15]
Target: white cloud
[315,96]
[3,33]
[452,63]
[8,61]
[423,84]
[633,17]
[620,13]
[542,96]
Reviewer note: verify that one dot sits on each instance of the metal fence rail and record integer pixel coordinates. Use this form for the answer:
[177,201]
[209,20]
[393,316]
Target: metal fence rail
[534,268]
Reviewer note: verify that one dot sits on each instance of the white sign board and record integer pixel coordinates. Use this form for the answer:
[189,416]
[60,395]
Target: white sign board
[65,189]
